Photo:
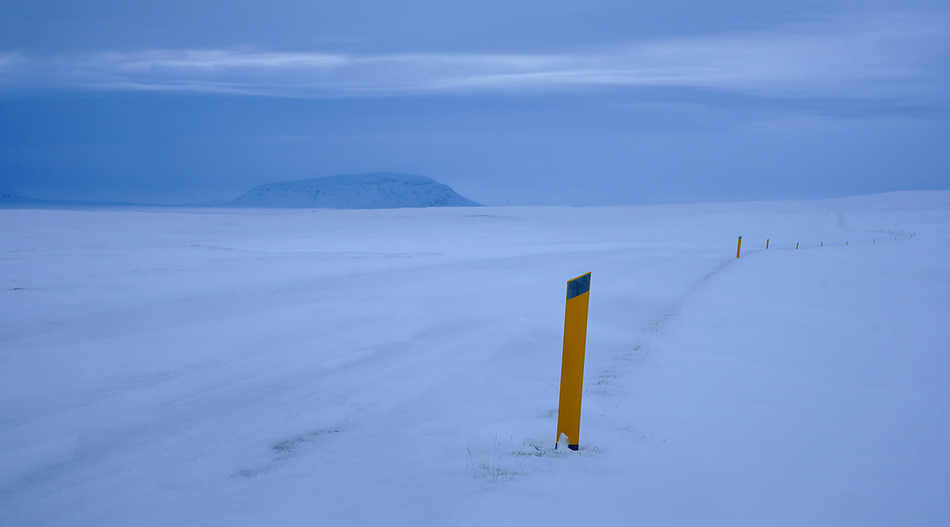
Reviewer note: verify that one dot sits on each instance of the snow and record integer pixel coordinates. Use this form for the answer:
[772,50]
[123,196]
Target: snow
[400,367]
[383,190]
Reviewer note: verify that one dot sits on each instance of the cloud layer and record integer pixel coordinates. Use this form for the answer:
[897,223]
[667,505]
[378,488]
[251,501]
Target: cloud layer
[891,57]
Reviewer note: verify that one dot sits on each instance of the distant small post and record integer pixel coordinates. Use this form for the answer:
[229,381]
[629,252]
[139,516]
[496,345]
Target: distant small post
[766,243]
[796,246]
[822,244]
[739,247]
[572,361]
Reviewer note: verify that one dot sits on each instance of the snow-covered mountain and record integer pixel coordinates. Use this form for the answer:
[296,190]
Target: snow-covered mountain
[381,190]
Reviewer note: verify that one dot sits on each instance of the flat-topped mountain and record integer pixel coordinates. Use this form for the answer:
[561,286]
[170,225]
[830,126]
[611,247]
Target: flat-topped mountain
[381,190]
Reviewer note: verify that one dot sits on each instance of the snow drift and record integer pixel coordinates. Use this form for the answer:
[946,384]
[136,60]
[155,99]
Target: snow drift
[382,190]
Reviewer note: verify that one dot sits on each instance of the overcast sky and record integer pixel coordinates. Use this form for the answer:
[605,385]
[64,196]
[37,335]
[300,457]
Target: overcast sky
[554,102]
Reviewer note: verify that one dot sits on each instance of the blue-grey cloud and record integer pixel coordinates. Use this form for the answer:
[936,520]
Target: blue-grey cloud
[886,57]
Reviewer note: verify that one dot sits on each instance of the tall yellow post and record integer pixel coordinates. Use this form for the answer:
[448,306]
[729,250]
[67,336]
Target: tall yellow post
[572,361]
[739,247]
[766,244]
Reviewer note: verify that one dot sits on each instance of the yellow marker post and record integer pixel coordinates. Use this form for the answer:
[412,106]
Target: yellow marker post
[738,247]
[572,361]
[766,244]
[796,246]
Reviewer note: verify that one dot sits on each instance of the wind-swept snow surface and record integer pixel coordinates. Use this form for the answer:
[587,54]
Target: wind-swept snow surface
[382,190]
[400,367]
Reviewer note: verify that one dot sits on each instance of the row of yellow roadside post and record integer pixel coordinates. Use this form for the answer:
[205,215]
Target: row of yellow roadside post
[821,244]
[572,354]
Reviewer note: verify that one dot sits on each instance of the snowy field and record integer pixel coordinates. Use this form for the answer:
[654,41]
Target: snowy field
[399,367]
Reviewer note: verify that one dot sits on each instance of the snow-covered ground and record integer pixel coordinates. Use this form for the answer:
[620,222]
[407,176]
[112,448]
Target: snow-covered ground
[400,367]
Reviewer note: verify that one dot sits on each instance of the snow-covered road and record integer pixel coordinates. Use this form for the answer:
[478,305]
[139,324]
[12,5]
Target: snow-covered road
[240,367]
